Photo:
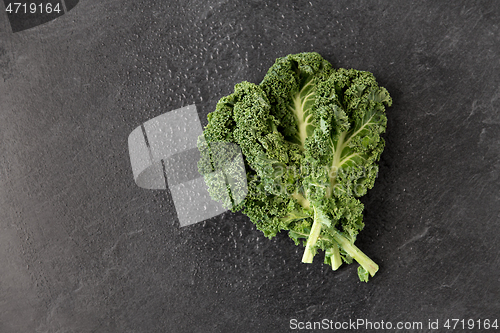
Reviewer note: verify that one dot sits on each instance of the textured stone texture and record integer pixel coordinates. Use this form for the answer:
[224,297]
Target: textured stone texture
[83,249]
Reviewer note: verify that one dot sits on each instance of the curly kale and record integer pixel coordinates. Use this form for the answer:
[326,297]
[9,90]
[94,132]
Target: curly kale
[310,139]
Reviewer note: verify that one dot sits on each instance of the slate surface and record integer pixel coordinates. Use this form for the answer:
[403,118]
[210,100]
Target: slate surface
[83,249]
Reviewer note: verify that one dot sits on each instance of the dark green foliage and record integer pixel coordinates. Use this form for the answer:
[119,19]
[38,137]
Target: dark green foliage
[310,139]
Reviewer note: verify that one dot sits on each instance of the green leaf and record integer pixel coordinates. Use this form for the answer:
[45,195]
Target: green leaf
[310,136]
[363,274]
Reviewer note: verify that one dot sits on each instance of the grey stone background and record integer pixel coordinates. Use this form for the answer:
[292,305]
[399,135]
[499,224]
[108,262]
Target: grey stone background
[83,249]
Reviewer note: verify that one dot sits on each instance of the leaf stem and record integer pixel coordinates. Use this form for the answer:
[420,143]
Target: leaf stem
[336,259]
[355,253]
[321,220]
[310,251]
